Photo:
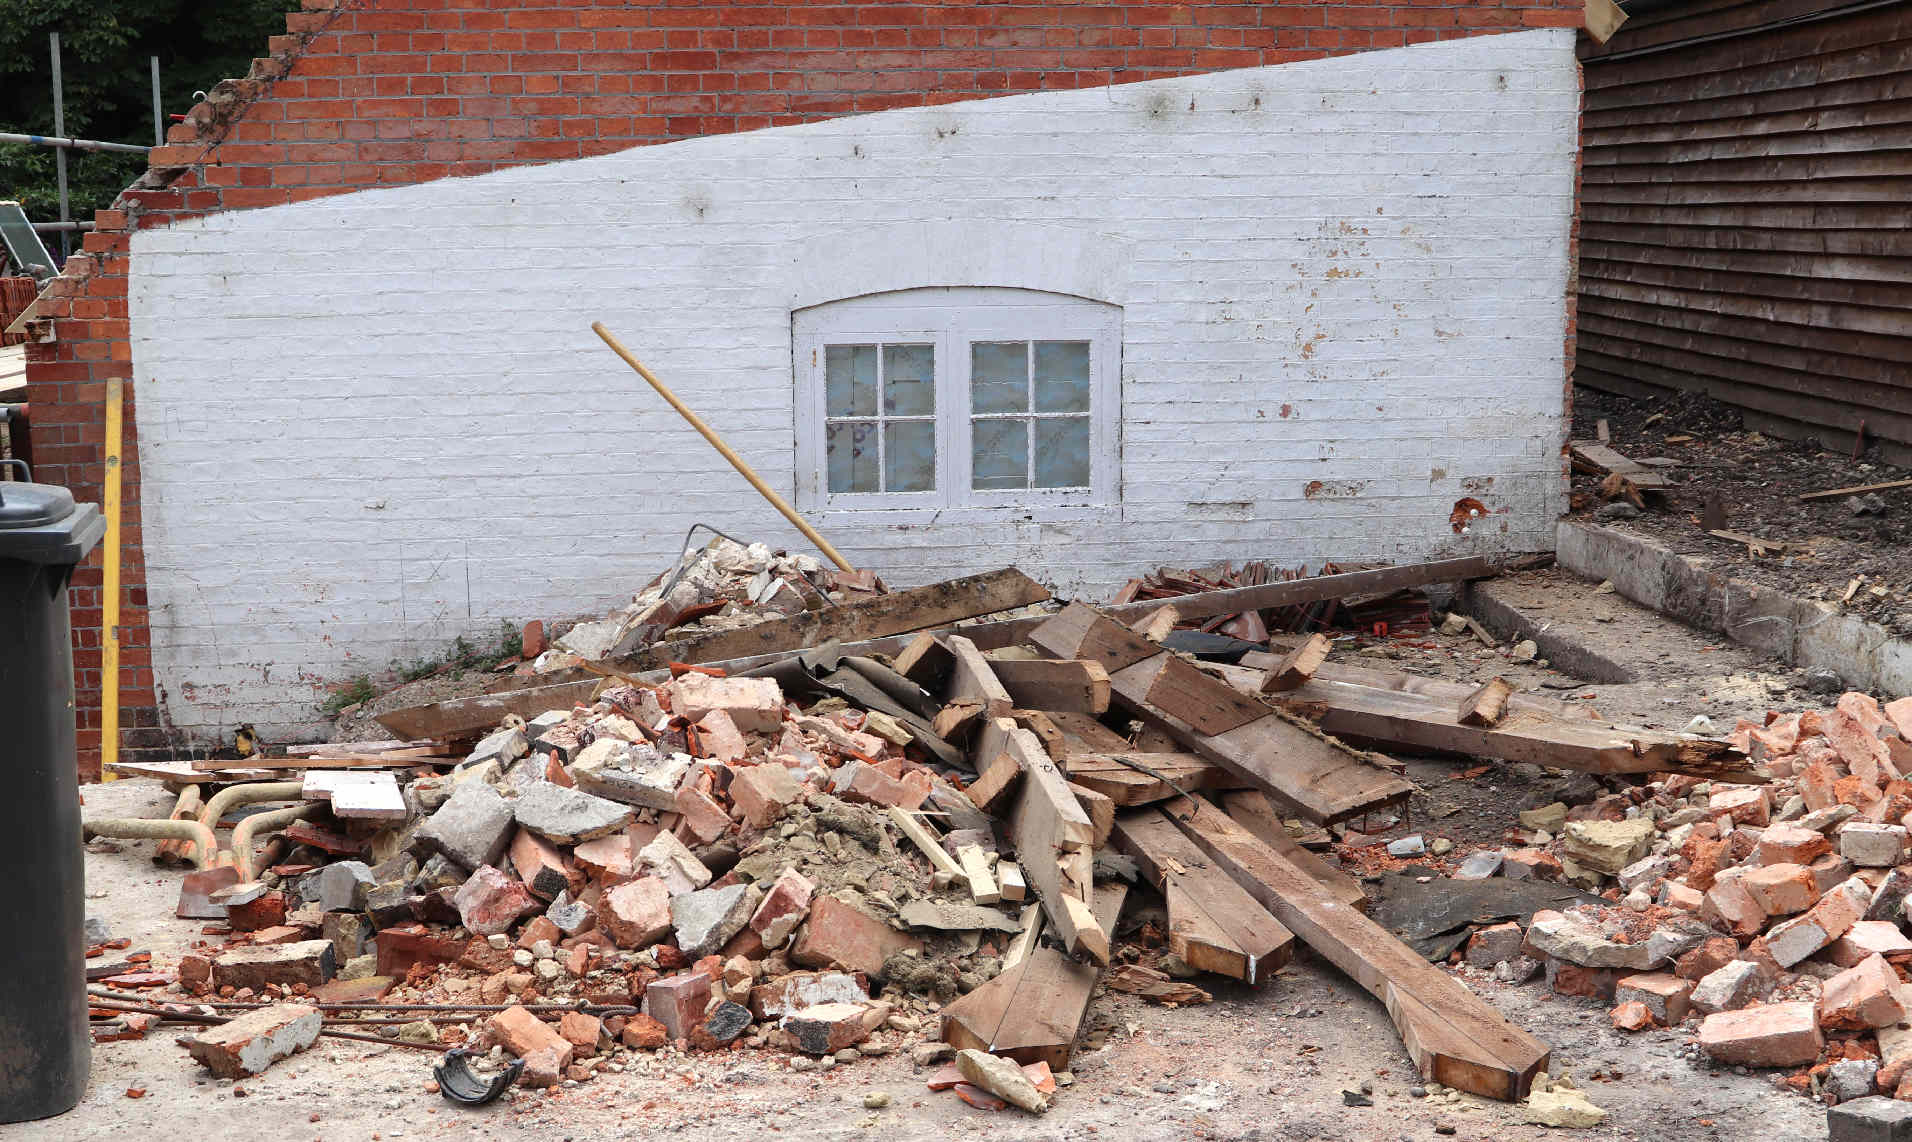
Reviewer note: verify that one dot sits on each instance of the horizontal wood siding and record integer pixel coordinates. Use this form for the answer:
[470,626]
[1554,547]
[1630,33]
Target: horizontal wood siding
[1746,213]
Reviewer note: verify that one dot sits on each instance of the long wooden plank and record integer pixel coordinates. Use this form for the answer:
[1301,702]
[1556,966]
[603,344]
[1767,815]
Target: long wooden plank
[1397,718]
[333,761]
[1047,684]
[465,717]
[1454,1037]
[1251,810]
[918,608]
[1048,828]
[1321,779]
[1127,786]
[1214,925]
[1856,489]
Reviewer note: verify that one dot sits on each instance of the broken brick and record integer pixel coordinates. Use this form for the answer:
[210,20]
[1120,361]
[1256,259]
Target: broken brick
[783,907]
[643,1033]
[1780,889]
[1664,995]
[581,1031]
[1862,997]
[1772,1035]
[524,1034]
[1631,1015]
[825,1028]
[1790,844]
[491,902]
[754,705]
[703,817]
[840,935]
[678,1002]
[310,962]
[637,913]
[762,792]
[719,739]
[539,865]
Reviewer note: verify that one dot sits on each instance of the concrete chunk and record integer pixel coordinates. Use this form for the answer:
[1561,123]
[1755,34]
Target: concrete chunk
[568,816]
[1871,1119]
[310,962]
[706,920]
[630,774]
[470,829]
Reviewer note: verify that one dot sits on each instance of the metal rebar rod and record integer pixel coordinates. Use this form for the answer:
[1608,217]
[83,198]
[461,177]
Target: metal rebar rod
[534,1008]
[215,1021]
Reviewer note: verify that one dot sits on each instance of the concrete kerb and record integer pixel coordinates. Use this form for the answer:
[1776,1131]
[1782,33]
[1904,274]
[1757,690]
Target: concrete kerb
[1804,633]
[1566,654]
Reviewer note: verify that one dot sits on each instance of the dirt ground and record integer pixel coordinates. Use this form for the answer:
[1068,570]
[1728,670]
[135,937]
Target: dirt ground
[1266,1064]
[1759,479]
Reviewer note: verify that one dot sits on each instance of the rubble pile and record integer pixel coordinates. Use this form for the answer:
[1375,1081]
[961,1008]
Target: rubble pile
[692,865]
[721,586]
[1771,916]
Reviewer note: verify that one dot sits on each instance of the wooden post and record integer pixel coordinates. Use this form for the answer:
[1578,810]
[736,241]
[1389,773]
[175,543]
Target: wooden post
[717,442]
[110,583]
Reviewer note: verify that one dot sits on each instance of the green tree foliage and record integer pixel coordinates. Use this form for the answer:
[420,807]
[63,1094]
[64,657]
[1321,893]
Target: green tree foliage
[104,49]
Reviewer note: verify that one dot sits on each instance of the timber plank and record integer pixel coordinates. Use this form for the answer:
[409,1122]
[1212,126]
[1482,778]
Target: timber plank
[918,608]
[1049,830]
[1251,810]
[1485,706]
[1049,684]
[467,717]
[973,679]
[1322,779]
[1299,665]
[1128,786]
[1219,927]
[1453,1036]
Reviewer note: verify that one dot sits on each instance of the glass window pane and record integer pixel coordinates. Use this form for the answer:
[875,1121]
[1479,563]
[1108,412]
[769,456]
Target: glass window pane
[1062,376]
[851,450]
[1062,452]
[999,454]
[849,375]
[909,380]
[909,456]
[999,376]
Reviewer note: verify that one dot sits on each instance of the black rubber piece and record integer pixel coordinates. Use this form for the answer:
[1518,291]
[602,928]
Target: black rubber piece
[458,1084]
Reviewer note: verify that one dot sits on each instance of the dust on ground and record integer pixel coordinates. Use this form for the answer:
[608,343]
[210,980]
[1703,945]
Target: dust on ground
[1759,480]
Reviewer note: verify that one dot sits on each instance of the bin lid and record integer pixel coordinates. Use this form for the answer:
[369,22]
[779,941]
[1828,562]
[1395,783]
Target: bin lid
[33,505]
[40,523]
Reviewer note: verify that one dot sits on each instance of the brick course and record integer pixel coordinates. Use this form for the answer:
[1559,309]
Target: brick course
[368,93]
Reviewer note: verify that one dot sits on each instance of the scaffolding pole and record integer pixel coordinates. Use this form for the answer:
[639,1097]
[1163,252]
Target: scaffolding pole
[59,130]
[72,144]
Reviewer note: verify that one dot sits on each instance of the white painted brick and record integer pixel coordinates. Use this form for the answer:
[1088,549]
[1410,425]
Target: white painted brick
[372,422]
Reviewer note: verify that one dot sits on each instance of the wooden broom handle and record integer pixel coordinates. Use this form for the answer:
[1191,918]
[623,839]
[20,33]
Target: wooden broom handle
[717,442]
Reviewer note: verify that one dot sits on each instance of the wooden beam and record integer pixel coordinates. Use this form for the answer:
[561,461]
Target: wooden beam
[1032,1010]
[1158,624]
[918,608]
[1126,786]
[1214,925]
[926,662]
[1454,1037]
[1251,810]
[336,761]
[973,679]
[1485,706]
[1413,720]
[993,784]
[1322,779]
[469,717]
[919,834]
[1046,684]
[1299,665]
[1048,828]
[982,886]
[1101,811]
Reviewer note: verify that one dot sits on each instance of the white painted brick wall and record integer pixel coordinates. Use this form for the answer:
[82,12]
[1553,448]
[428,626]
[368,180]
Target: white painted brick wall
[370,423]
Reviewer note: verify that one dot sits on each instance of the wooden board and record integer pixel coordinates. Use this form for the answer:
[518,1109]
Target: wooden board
[1157,624]
[1077,733]
[369,801]
[973,679]
[333,761]
[481,713]
[1048,827]
[994,782]
[1033,1009]
[1298,665]
[1485,706]
[1214,925]
[1127,786]
[1601,460]
[1101,811]
[1454,1037]
[918,608]
[1855,490]
[1046,684]
[183,772]
[1251,810]
[1322,780]
[925,662]
[1403,719]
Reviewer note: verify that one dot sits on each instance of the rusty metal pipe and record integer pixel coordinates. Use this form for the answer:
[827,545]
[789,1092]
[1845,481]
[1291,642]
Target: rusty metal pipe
[204,850]
[252,826]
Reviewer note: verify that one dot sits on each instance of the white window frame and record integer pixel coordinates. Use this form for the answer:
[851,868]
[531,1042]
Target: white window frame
[951,318]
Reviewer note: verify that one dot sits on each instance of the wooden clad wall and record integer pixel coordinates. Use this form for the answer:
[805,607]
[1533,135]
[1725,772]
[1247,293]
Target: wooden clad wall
[1746,226]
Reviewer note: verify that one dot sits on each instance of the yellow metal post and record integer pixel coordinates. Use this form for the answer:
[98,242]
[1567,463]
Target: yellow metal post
[110,585]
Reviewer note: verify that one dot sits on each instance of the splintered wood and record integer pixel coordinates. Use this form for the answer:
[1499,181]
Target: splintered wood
[1454,1037]
[1054,841]
[1300,664]
[1485,706]
[1320,779]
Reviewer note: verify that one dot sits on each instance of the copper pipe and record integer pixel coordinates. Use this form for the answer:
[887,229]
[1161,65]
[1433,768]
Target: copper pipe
[203,854]
[264,823]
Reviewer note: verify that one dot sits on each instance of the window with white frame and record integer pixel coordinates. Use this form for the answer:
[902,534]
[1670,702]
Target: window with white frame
[957,396]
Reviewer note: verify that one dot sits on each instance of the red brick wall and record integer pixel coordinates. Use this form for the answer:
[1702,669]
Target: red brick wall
[363,93]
